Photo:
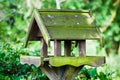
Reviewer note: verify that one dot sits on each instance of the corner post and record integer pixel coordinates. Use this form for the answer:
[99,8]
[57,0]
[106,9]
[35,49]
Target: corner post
[43,48]
[82,47]
[57,48]
[67,48]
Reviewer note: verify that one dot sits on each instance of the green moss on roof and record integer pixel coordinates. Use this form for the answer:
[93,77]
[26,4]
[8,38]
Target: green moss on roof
[65,25]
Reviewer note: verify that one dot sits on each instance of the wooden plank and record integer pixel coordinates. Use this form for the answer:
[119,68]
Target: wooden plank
[31,60]
[73,33]
[62,61]
[67,48]
[77,61]
[57,48]
[29,31]
[43,48]
[51,74]
[82,47]
[57,52]
[42,27]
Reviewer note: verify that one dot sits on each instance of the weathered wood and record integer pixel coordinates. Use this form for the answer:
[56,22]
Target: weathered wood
[51,74]
[63,33]
[77,69]
[43,48]
[34,33]
[62,61]
[42,27]
[69,71]
[57,52]
[62,68]
[77,61]
[30,60]
[67,48]
[59,24]
[57,48]
[82,47]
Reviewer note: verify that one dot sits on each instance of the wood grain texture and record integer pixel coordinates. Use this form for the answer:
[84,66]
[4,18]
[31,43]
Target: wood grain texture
[82,47]
[67,33]
[68,73]
[62,25]
[62,68]
[43,49]
[30,60]
[42,27]
[57,48]
[51,74]
[77,61]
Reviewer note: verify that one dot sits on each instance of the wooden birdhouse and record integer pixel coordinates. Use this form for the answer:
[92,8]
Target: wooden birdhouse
[66,26]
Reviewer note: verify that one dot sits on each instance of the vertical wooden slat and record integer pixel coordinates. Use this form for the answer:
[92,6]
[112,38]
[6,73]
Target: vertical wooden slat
[67,75]
[57,52]
[57,48]
[82,47]
[43,48]
[67,48]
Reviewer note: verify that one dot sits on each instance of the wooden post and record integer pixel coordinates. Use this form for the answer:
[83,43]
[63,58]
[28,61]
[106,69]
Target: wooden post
[51,74]
[82,47]
[43,48]
[57,52]
[75,70]
[67,48]
[45,68]
[57,48]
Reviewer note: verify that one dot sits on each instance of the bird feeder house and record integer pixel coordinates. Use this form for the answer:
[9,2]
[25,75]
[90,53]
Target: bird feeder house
[66,26]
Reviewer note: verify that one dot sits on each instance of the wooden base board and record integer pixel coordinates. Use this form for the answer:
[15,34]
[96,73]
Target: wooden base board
[62,68]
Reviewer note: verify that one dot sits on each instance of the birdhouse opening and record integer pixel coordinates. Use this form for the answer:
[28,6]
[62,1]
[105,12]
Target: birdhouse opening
[65,50]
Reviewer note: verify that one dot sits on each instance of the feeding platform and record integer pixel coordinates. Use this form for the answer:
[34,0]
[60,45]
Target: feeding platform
[66,26]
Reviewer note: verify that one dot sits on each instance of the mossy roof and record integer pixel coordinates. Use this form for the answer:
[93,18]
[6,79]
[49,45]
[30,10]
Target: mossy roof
[62,25]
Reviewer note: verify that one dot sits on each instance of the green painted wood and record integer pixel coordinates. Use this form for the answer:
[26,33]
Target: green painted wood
[42,27]
[76,61]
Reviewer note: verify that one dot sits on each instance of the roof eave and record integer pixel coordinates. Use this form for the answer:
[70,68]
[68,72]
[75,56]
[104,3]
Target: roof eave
[28,34]
[42,27]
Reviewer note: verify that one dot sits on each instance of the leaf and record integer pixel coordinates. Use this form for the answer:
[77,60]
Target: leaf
[92,72]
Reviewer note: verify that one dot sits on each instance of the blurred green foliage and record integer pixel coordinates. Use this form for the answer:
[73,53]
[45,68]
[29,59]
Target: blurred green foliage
[15,16]
[10,67]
